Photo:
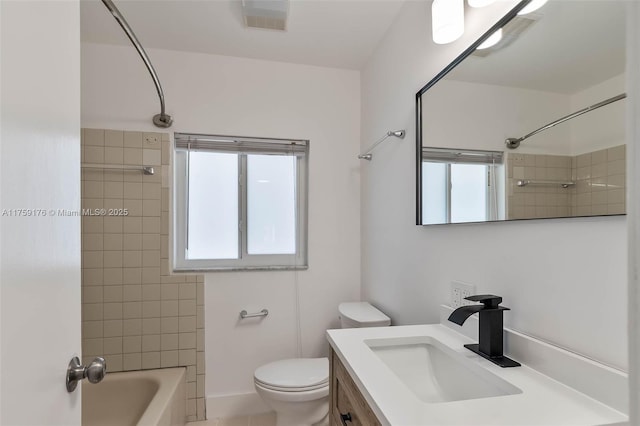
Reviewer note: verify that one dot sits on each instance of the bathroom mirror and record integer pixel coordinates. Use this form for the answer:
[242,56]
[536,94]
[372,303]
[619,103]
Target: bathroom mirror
[560,69]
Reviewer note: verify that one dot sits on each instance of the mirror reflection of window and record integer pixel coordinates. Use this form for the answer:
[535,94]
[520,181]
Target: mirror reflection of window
[469,193]
[435,193]
[461,186]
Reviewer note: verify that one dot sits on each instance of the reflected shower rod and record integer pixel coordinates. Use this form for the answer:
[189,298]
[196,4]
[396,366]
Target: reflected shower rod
[163,119]
[513,143]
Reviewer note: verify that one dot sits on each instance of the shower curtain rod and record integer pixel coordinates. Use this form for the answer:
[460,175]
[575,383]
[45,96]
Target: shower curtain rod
[163,119]
[513,143]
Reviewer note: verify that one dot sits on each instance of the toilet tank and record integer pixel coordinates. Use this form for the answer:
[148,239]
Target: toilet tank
[361,314]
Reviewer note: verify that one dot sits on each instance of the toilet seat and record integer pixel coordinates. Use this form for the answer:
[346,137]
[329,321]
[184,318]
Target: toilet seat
[291,397]
[283,389]
[294,375]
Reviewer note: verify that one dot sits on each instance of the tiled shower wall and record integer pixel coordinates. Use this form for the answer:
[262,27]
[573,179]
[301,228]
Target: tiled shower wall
[134,312]
[599,188]
[538,201]
[600,182]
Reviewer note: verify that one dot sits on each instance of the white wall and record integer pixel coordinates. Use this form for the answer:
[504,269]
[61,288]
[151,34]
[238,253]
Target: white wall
[604,127]
[234,96]
[40,169]
[494,113]
[491,114]
[564,279]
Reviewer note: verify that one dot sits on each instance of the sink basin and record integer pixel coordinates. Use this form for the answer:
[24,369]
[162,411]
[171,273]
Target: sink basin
[435,373]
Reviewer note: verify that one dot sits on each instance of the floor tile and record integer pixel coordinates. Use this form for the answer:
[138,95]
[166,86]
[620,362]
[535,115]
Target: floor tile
[235,421]
[267,419]
[212,422]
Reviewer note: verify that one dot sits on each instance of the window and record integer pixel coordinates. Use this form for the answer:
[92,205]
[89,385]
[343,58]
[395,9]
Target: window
[240,203]
[461,186]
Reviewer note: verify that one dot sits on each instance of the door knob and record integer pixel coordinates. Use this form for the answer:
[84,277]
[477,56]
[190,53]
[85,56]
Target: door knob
[94,372]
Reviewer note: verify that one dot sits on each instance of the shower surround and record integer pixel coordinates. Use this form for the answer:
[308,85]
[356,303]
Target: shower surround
[136,313]
[599,189]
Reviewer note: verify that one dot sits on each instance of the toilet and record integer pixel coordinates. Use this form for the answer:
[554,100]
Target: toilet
[298,389]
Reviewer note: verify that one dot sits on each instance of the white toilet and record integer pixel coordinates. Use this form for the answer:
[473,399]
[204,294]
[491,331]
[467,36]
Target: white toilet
[298,389]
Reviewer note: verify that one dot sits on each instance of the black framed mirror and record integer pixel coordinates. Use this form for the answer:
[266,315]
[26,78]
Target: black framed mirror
[532,127]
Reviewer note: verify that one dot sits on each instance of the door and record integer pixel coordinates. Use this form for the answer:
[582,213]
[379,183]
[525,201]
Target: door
[39,177]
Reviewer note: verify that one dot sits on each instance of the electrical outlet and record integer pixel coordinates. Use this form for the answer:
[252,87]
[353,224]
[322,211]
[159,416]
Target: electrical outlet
[459,291]
[455,297]
[466,293]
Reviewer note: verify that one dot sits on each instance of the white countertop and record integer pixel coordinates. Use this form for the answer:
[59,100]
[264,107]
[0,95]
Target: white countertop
[543,401]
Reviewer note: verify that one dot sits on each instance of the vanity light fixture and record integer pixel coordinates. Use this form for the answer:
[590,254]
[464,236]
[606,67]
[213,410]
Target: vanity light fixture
[447,20]
[492,40]
[480,3]
[533,6]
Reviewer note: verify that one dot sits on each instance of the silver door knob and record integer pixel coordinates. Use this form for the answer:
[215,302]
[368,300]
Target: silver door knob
[94,372]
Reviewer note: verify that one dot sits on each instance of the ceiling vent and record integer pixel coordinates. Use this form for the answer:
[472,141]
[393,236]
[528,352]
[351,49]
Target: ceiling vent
[266,14]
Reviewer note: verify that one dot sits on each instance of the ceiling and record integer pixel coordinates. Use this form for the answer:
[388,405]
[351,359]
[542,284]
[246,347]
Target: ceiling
[571,46]
[331,33]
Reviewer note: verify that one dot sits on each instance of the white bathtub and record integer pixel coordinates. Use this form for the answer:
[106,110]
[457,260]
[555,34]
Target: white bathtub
[143,398]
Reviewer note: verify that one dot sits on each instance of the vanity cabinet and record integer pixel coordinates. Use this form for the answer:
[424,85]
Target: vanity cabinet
[348,406]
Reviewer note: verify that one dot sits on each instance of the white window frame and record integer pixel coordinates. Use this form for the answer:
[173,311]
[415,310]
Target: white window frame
[245,261]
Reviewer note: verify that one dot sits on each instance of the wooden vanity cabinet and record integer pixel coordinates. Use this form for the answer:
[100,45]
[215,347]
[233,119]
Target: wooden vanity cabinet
[348,406]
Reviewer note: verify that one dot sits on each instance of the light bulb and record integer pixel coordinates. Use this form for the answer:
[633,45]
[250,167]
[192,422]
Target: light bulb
[479,3]
[447,19]
[533,6]
[492,40]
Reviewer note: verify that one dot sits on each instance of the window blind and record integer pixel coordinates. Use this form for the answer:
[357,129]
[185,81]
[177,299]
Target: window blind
[237,144]
[459,156]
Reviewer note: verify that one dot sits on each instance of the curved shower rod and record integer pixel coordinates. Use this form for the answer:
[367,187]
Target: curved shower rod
[513,143]
[163,119]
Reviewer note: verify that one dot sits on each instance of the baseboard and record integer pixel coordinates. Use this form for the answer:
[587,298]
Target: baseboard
[242,404]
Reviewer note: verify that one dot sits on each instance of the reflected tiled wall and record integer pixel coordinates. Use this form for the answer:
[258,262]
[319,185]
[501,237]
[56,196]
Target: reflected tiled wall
[600,182]
[134,312]
[538,201]
[599,188]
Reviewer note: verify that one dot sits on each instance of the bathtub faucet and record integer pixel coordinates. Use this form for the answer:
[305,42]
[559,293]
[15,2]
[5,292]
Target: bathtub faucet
[94,372]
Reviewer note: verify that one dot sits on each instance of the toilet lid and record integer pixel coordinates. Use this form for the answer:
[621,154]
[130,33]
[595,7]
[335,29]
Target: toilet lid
[363,314]
[294,373]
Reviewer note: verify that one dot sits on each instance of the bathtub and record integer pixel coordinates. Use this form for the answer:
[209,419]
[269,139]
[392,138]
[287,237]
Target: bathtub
[144,398]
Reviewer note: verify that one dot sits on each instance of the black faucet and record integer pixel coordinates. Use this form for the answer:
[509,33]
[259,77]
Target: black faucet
[490,331]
